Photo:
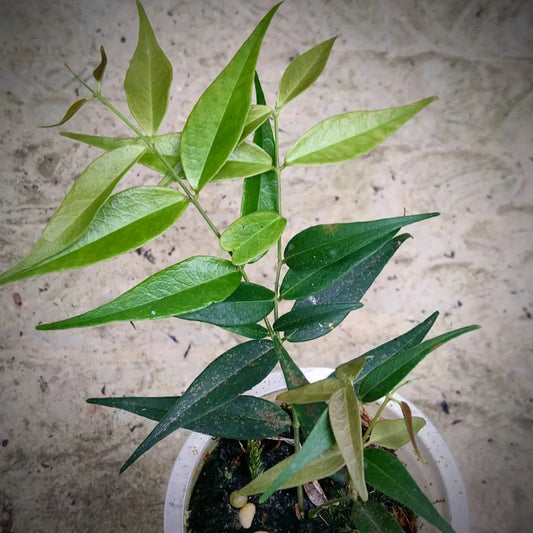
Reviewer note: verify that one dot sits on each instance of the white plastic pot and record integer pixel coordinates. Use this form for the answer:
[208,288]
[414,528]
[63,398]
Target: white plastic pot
[439,478]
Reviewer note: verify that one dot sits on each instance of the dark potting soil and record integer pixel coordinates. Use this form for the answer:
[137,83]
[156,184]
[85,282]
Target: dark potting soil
[226,469]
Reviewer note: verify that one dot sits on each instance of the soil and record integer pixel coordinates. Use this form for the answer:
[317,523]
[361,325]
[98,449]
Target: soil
[226,469]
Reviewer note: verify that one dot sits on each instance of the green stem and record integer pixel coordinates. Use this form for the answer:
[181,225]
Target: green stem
[277,169]
[151,146]
[376,417]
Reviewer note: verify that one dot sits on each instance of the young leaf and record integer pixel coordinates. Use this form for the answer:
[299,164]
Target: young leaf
[312,318]
[260,193]
[257,115]
[125,221]
[251,235]
[410,425]
[394,434]
[248,304]
[373,517]
[385,472]
[98,72]
[80,205]
[245,417]
[326,464]
[345,422]
[347,136]
[383,378]
[246,160]
[304,283]
[71,111]
[184,287]
[214,127]
[328,243]
[148,79]
[320,391]
[319,441]
[303,72]
[347,372]
[229,375]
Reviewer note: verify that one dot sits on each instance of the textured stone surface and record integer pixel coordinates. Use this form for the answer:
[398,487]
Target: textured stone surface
[469,155]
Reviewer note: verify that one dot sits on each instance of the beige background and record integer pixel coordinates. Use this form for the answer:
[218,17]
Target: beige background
[469,156]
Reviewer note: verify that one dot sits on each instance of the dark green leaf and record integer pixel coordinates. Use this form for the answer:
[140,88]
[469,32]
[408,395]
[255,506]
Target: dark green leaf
[251,235]
[78,208]
[148,79]
[309,414]
[125,221]
[184,287]
[303,72]
[71,111]
[214,127]
[304,283]
[350,288]
[377,356]
[385,472]
[98,72]
[312,318]
[383,378]
[373,517]
[245,417]
[350,135]
[250,331]
[248,304]
[228,376]
[260,193]
[328,243]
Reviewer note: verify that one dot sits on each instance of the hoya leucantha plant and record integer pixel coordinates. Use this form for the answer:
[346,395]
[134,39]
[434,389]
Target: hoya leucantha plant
[325,269]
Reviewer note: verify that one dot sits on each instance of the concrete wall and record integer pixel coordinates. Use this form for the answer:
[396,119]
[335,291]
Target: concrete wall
[469,156]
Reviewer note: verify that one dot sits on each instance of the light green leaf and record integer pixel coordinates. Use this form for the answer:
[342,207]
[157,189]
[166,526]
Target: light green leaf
[345,422]
[394,434]
[148,79]
[303,72]
[246,160]
[167,145]
[410,425]
[71,111]
[326,244]
[386,473]
[248,304]
[126,221]
[257,115]
[251,235]
[79,207]
[230,374]
[347,136]
[319,441]
[347,372]
[184,287]
[215,125]
[326,464]
[319,391]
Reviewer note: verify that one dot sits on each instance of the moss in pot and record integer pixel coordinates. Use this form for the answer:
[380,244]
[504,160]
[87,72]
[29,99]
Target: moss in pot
[324,270]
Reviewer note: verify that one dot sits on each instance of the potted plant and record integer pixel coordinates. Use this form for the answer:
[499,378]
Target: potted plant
[323,271]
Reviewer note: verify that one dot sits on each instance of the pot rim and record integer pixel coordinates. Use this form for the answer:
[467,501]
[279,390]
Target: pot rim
[189,459]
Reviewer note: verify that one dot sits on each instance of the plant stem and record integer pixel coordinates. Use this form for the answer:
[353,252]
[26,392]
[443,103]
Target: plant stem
[376,417]
[277,169]
[297,446]
[175,174]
